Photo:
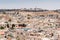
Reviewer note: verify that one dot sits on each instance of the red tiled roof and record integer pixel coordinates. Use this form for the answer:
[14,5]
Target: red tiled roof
[2,32]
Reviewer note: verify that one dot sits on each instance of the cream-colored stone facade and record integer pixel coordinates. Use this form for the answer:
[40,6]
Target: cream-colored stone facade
[22,25]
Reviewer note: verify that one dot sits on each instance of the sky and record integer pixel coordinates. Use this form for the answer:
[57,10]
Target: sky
[17,4]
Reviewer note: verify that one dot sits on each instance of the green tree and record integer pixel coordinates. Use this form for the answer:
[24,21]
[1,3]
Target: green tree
[1,27]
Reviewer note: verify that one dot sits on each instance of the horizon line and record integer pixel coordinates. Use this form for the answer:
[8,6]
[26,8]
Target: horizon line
[31,8]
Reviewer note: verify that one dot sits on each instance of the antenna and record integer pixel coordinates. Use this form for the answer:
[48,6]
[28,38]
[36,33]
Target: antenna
[35,8]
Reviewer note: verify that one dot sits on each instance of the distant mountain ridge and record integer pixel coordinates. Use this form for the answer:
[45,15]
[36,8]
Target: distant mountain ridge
[24,9]
[30,10]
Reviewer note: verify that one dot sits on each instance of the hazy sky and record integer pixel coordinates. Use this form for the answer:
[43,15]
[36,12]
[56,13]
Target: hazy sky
[44,4]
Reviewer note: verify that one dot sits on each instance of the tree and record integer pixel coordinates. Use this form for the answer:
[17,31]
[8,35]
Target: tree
[7,25]
[1,27]
[13,25]
[9,20]
[4,12]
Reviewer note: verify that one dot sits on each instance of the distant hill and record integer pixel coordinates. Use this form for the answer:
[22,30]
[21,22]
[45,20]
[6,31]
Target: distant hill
[24,9]
[57,10]
[30,10]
